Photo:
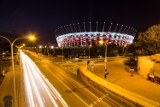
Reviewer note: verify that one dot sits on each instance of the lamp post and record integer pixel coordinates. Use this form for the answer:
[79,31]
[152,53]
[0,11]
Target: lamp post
[40,49]
[89,51]
[12,44]
[62,53]
[123,49]
[52,49]
[105,60]
[106,56]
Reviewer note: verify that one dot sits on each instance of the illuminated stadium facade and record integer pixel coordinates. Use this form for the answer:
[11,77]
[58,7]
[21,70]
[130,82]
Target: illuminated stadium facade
[82,35]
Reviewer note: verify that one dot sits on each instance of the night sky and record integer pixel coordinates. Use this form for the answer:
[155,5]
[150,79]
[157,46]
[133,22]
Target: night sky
[44,16]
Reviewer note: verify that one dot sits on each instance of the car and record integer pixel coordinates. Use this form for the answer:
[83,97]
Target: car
[76,59]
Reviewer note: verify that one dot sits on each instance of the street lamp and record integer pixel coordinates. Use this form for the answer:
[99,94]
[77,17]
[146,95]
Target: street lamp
[52,47]
[40,49]
[51,50]
[40,46]
[105,68]
[12,44]
[123,49]
[89,50]
[23,45]
[62,53]
[105,60]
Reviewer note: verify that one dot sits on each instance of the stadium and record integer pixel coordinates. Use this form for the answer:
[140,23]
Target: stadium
[85,34]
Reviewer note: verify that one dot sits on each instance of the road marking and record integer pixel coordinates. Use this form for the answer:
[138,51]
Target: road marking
[43,99]
[97,101]
[71,69]
[68,87]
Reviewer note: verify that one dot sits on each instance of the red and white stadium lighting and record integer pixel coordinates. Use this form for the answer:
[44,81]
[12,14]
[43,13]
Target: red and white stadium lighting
[76,35]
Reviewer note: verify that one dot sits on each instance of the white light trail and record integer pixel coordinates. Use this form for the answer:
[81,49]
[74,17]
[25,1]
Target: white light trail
[40,91]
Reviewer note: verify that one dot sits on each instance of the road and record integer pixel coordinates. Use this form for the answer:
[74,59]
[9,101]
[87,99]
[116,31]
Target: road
[39,91]
[62,75]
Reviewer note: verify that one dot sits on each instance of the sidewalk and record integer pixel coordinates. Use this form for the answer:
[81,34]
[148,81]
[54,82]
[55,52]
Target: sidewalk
[6,88]
[119,75]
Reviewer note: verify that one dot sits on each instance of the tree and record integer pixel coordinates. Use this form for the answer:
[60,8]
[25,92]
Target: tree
[148,43]
[112,49]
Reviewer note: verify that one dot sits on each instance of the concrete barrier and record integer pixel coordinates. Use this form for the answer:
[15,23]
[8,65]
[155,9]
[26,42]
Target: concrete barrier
[128,96]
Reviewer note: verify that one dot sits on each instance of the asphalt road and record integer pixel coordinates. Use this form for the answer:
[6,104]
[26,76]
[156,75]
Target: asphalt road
[71,88]
[62,75]
[39,92]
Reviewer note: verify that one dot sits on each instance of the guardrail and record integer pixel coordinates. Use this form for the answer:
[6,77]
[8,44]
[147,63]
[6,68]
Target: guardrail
[128,96]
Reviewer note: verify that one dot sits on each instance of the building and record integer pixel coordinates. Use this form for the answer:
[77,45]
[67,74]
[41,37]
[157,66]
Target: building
[82,35]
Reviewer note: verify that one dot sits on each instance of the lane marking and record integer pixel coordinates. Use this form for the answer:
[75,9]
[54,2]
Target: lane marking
[43,99]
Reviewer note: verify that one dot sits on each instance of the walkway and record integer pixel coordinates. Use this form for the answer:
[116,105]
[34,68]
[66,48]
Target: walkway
[121,76]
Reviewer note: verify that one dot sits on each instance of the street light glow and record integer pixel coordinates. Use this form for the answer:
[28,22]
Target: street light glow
[90,45]
[101,42]
[52,47]
[40,46]
[32,38]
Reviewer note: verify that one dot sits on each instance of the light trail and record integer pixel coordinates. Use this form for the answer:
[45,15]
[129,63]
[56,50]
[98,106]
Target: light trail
[39,91]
